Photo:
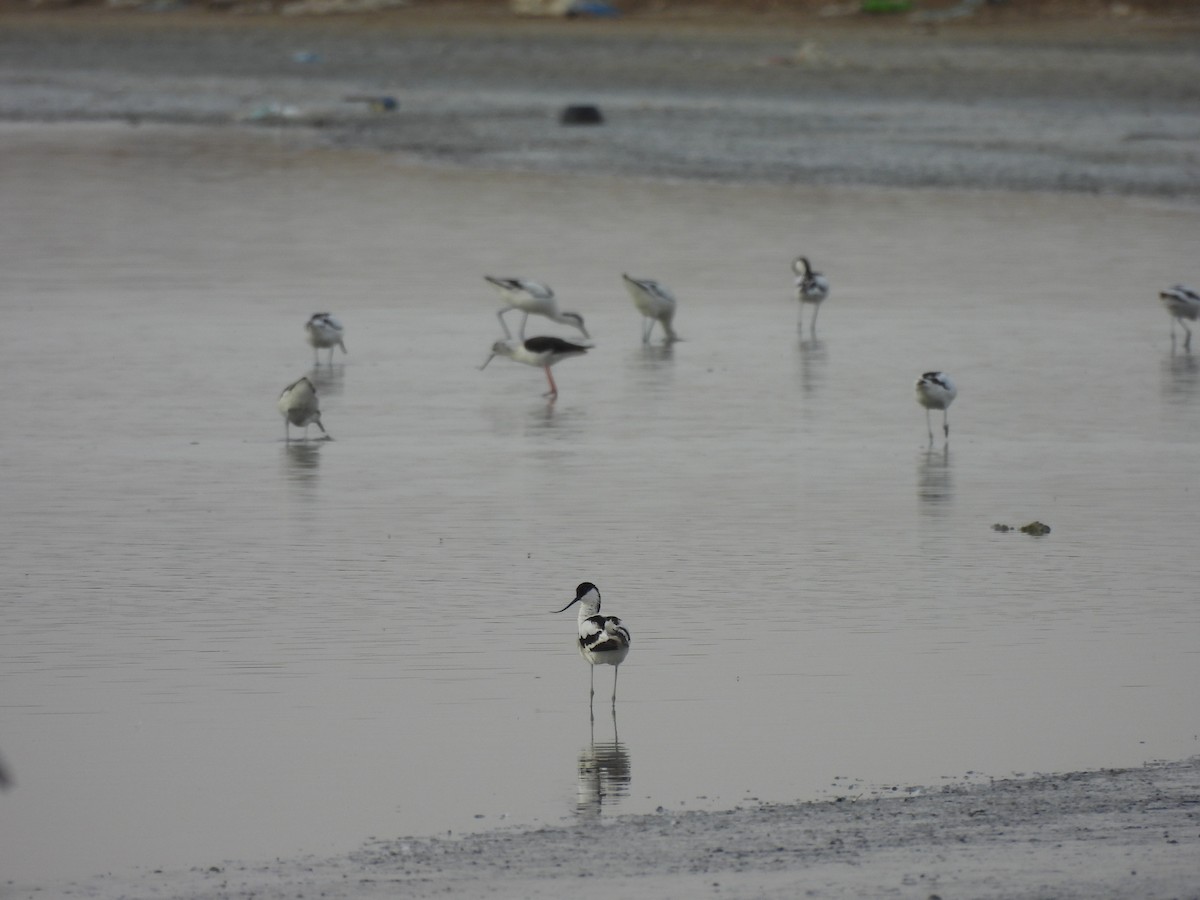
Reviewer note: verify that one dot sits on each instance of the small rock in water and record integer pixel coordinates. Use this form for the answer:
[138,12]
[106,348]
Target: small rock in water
[1035,528]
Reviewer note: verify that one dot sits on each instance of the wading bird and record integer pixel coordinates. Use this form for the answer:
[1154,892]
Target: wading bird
[655,303]
[532,298]
[537,351]
[603,640]
[935,390]
[1181,303]
[298,406]
[324,331]
[811,287]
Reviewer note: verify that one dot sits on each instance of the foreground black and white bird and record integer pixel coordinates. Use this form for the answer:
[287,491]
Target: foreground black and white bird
[811,287]
[1181,302]
[298,406]
[532,298]
[324,332]
[935,390]
[539,351]
[655,303]
[603,640]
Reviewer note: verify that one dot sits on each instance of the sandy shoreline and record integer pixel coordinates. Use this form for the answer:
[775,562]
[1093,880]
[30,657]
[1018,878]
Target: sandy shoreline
[1096,104]
[1106,834]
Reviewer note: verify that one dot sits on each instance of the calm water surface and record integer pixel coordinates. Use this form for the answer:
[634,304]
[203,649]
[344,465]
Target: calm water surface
[216,645]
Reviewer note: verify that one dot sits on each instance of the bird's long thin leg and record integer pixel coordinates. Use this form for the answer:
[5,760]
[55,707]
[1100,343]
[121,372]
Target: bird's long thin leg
[592,693]
[287,437]
[812,327]
[929,425]
[503,324]
[553,387]
[647,327]
[1187,341]
[946,423]
[616,669]
[331,357]
[316,357]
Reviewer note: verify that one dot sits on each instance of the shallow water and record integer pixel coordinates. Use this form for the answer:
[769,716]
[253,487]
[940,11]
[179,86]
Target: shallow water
[217,645]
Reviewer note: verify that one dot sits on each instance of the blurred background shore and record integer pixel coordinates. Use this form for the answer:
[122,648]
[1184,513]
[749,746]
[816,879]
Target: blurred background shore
[1077,96]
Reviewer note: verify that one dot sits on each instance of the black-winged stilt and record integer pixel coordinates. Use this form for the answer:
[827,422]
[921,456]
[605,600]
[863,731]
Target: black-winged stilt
[538,351]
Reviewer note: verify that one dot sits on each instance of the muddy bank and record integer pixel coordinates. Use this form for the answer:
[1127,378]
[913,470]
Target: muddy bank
[1113,833]
[1095,104]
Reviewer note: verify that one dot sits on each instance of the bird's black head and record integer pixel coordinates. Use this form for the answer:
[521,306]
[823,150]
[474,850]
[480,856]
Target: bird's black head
[582,591]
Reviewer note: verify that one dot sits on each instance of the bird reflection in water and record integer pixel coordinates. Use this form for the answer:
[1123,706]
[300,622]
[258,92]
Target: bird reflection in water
[935,487]
[813,356]
[303,455]
[543,417]
[329,380]
[300,462]
[1181,376]
[653,355]
[605,772]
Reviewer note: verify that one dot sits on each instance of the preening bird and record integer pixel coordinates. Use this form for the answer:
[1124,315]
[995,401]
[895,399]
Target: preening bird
[811,287]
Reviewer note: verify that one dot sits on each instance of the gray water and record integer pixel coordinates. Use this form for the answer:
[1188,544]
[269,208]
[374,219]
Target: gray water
[217,645]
